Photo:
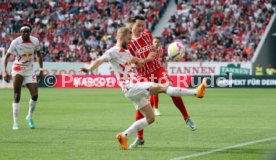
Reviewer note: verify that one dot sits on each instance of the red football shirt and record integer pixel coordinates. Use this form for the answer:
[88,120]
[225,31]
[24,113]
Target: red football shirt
[140,48]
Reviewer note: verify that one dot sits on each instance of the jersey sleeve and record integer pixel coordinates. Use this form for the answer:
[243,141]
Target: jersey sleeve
[11,49]
[108,55]
[37,45]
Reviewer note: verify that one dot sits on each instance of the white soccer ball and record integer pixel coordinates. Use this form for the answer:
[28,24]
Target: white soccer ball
[175,49]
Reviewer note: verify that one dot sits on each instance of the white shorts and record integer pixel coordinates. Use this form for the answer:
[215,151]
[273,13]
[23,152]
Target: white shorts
[27,77]
[138,93]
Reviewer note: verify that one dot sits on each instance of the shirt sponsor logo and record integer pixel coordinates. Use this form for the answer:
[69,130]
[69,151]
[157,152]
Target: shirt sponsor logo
[144,49]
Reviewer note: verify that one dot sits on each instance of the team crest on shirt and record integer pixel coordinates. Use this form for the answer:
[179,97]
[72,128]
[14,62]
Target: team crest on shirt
[27,55]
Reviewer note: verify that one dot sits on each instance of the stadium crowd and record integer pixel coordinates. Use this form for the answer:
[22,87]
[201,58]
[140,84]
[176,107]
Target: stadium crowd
[74,30]
[81,30]
[219,30]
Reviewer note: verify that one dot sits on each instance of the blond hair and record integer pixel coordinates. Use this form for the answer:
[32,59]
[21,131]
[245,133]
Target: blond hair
[129,25]
[122,31]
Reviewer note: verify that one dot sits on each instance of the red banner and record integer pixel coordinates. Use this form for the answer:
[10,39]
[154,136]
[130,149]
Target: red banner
[99,81]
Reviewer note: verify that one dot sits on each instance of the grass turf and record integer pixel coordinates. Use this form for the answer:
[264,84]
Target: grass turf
[83,123]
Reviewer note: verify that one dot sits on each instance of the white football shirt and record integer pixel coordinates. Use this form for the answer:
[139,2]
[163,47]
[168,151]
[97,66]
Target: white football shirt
[24,53]
[120,60]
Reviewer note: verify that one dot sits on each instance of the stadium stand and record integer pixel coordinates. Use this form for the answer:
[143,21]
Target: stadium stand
[218,30]
[74,30]
[80,30]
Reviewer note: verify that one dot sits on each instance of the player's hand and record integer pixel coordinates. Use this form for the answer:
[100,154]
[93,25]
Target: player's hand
[83,70]
[40,76]
[6,76]
[140,63]
[151,56]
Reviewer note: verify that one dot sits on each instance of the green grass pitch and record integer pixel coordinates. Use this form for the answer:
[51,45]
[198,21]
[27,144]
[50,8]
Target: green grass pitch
[82,124]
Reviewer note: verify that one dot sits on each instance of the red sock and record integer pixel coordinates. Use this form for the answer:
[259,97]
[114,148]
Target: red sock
[180,105]
[151,100]
[155,100]
[140,133]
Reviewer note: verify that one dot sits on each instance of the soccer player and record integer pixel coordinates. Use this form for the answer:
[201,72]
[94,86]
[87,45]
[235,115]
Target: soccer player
[24,48]
[140,46]
[161,55]
[122,63]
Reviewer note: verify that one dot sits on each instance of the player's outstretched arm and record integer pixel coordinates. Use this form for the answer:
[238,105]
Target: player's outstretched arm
[6,61]
[94,65]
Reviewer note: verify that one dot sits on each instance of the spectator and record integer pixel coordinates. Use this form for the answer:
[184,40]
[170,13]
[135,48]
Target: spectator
[216,30]
[69,30]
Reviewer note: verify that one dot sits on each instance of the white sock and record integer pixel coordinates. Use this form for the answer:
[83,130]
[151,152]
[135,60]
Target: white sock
[15,110]
[177,92]
[32,105]
[136,126]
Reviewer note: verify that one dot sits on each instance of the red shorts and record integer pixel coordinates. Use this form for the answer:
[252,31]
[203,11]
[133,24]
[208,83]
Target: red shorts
[159,76]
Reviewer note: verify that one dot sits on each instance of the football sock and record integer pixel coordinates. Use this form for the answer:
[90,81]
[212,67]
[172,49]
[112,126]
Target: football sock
[15,110]
[32,105]
[178,102]
[140,133]
[136,126]
[177,92]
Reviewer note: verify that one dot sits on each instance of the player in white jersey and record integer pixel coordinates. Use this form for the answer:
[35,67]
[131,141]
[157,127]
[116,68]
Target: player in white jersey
[24,48]
[123,62]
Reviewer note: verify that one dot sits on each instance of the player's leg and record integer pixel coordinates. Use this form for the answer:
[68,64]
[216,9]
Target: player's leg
[32,86]
[155,98]
[139,115]
[139,124]
[178,91]
[178,102]
[17,83]
[154,103]
[142,123]
[151,100]
[140,134]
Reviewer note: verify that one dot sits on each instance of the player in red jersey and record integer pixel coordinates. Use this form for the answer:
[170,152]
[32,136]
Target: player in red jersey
[161,55]
[140,47]
[124,65]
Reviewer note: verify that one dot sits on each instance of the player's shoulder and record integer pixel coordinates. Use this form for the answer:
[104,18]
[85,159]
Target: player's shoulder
[17,40]
[34,40]
[146,32]
[114,49]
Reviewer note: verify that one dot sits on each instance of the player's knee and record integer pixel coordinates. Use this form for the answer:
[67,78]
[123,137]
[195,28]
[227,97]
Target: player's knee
[35,97]
[16,97]
[151,119]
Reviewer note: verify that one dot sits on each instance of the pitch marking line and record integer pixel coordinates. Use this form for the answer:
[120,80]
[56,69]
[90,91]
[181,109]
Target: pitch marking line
[225,148]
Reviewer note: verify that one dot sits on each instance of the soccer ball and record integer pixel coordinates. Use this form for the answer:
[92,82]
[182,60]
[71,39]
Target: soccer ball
[175,49]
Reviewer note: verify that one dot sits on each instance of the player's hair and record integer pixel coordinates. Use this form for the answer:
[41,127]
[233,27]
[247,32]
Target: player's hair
[129,25]
[158,38]
[122,31]
[132,20]
[26,26]
[137,17]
